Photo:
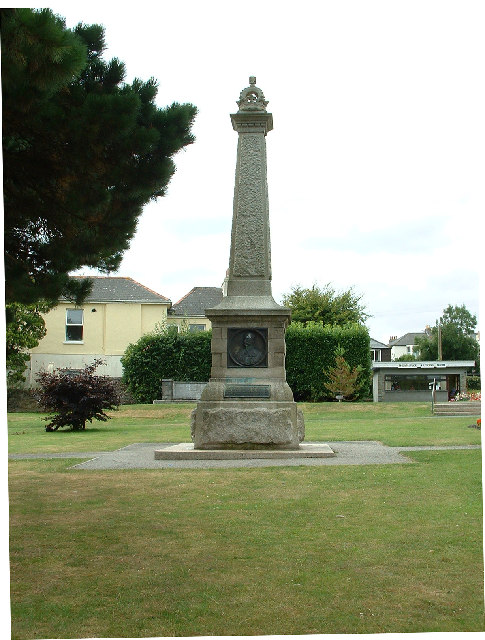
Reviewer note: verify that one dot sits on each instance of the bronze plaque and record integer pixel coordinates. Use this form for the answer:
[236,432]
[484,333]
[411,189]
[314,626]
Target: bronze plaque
[247,348]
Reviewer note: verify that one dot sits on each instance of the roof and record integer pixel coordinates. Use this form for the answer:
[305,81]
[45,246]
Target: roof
[194,303]
[374,344]
[117,289]
[406,339]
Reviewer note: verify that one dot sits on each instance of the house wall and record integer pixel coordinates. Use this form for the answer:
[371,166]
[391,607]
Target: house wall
[183,323]
[50,361]
[108,329]
[398,351]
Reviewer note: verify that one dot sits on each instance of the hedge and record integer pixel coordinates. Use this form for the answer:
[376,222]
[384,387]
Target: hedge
[310,350]
[162,355]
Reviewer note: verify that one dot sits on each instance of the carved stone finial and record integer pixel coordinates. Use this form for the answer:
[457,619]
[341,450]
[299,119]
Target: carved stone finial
[252,98]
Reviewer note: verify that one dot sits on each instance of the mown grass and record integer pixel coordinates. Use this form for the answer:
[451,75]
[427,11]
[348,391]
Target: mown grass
[392,424]
[296,550]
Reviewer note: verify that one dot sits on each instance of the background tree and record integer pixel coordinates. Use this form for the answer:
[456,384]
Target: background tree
[83,152]
[342,379]
[457,339]
[24,328]
[75,399]
[325,305]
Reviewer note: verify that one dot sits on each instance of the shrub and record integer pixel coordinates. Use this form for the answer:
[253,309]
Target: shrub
[76,398]
[165,354]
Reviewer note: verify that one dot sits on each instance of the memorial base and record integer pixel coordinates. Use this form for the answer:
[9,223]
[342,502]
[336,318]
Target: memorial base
[247,425]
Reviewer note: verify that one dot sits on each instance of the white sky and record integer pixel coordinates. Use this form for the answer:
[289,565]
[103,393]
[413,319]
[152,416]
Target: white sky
[375,163]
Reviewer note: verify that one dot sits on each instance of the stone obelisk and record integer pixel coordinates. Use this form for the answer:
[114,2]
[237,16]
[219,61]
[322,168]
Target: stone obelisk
[247,404]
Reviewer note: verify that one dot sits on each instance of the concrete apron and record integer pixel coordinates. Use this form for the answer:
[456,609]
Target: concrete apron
[186,451]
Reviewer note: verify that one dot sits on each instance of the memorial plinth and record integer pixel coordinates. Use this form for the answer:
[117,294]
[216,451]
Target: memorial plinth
[247,404]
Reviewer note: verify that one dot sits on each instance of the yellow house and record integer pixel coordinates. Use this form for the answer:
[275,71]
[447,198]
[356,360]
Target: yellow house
[189,312]
[117,312]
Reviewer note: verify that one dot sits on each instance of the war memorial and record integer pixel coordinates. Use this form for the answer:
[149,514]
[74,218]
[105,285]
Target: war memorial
[247,408]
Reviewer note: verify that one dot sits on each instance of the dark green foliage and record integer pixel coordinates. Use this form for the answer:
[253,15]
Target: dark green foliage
[310,350]
[473,383]
[76,398]
[163,355]
[83,152]
[457,340]
[406,357]
[325,305]
[24,329]
[187,357]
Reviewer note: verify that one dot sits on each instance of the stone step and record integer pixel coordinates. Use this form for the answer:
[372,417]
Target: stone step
[457,408]
[186,451]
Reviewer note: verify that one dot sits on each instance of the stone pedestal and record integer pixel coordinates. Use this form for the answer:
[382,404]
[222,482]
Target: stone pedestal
[246,406]
[247,403]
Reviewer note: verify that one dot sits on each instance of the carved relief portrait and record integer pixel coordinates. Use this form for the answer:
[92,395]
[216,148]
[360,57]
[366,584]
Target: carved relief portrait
[247,347]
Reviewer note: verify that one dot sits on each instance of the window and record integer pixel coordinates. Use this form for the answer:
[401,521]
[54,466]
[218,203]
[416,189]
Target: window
[413,382]
[196,327]
[74,325]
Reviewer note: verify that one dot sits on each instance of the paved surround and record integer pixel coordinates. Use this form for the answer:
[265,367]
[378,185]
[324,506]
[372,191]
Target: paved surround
[186,451]
[141,456]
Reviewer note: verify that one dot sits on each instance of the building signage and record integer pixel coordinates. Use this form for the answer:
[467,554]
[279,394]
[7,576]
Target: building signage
[420,365]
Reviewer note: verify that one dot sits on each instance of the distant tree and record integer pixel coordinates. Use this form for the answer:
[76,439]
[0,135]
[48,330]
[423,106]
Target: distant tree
[457,339]
[342,379]
[75,399]
[460,317]
[83,152]
[406,357]
[24,328]
[325,305]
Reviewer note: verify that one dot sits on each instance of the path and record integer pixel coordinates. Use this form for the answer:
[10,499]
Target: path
[141,456]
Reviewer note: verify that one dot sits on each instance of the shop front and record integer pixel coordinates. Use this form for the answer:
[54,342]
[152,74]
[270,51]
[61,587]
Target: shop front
[416,381]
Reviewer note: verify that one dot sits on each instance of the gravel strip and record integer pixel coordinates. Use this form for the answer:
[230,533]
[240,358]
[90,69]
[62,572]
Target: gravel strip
[142,456]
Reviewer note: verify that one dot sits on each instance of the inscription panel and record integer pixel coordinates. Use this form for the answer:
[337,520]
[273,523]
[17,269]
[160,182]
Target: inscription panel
[247,391]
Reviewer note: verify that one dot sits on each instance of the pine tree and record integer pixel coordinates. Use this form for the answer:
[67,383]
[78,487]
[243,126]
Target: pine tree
[83,152]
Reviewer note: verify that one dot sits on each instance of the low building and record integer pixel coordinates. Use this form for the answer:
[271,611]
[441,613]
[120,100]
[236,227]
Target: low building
[189,311]
[414,381]
[117,312]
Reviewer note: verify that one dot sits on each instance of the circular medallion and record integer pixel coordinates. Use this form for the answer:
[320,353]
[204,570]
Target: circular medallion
[247,348]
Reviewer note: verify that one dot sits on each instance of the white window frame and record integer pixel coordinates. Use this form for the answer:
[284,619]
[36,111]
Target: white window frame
[196,327]
[74,324]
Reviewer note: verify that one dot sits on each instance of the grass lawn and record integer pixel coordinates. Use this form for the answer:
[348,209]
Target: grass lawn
[283,550]
[393,424]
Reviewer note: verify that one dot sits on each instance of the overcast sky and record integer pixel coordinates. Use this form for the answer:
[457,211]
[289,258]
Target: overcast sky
[375,163]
